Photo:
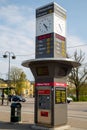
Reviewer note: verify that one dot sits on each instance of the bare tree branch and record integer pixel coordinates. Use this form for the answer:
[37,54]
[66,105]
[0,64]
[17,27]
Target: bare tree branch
[78,76]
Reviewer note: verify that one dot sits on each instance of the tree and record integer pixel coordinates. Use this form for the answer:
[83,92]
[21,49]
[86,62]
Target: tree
[17,77]
[20,84]
[78,76]
[17,74]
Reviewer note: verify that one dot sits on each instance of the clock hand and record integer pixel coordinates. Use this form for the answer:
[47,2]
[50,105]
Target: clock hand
[60,27]
[45,26]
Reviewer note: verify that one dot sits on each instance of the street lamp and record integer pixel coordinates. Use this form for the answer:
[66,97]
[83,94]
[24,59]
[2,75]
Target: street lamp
[9,55]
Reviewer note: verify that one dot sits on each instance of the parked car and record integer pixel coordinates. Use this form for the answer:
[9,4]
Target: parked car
[16,98]
[69,99]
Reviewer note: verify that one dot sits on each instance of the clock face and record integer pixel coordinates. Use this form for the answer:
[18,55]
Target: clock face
[44,25]
[59,26]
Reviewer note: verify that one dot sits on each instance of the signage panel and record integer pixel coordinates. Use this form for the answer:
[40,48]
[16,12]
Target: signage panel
[59,46]
[44,91]
[60,95]
[50,8]
[45,10]
[44,113]
[51,84]
[50,45]
[44,45]
[59,11]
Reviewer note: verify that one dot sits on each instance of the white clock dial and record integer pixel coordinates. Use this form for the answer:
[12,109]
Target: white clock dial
[44,25]
[59,26]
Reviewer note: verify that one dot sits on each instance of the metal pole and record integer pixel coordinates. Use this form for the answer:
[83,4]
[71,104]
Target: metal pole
[13,57]
[8,77]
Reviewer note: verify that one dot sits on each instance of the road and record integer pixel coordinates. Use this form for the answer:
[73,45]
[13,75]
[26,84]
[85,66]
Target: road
[77,114]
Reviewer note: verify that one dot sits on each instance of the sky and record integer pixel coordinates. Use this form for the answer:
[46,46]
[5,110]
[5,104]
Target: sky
[17,30]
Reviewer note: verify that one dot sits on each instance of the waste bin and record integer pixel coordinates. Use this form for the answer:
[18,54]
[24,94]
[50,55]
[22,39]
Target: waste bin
[15,112]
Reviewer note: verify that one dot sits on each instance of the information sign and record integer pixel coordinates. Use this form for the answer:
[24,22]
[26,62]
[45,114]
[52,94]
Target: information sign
[50,8]
[60,46]
[60,95]
[44,10]
[44,46]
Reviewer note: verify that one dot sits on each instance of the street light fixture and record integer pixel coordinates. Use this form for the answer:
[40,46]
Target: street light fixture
[9,55]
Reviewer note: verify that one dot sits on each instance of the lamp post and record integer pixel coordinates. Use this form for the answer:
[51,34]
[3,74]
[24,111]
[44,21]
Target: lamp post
[9,55]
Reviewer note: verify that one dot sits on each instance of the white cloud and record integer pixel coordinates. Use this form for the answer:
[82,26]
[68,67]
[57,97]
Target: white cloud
[17,33]
[15,29]
[11,14]
[15,14]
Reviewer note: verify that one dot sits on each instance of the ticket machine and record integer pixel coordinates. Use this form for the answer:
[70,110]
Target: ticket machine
[50,89]
[43,105]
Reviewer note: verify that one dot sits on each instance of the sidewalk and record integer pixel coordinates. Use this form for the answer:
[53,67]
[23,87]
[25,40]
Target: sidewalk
[27,121]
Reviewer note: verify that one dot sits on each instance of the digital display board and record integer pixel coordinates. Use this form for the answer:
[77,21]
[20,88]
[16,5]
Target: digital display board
[59,46]
[60,95]
[44,45]
[42,71]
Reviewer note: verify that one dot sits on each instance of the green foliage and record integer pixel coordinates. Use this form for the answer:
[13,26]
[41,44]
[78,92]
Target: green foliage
[83,97]
[82,93]
[17,74]
[18,77]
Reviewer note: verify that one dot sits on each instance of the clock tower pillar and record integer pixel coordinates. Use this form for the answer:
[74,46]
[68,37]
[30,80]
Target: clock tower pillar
[51,68]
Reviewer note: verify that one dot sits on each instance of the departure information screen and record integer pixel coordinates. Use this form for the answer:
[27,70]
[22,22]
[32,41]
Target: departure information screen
[44,46]
[60,95]
[42,71]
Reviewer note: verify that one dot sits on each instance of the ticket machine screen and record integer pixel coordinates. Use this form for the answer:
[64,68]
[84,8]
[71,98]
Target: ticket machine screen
[44,99]
[44,102]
